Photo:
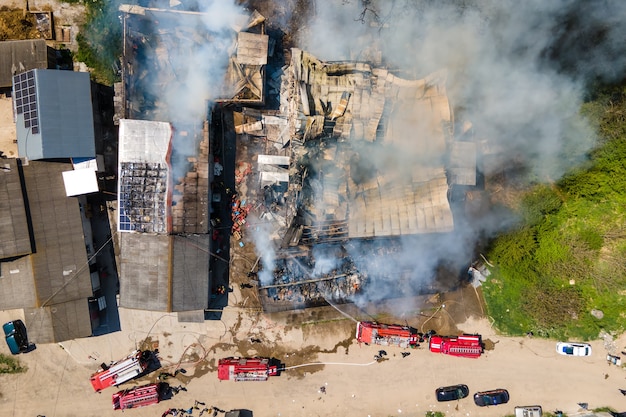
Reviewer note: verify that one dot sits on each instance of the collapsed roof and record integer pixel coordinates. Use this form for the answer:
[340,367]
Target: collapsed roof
[375,146]
[245,76]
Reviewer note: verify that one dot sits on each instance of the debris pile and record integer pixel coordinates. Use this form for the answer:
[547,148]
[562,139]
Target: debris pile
[302,281]
[242,171]
[239,213]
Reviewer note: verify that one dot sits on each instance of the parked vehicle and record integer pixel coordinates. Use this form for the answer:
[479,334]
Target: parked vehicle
[466,345]
[573,349]
[370,332]
[613,359]
[248,369]
[492,397]
[16,336]
[528,411]
[121,371]
[137,397]
[451,393]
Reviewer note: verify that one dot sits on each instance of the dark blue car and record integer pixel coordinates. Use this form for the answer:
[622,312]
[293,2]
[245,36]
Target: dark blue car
[451,393]
[16,336]
[493,397]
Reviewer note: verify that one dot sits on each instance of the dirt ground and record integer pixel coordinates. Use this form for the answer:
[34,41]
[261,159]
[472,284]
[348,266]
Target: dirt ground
[8,146]
[64,14]
[57,380]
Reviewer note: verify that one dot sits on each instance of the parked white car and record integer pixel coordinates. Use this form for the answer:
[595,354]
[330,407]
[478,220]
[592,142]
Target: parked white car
[573,349]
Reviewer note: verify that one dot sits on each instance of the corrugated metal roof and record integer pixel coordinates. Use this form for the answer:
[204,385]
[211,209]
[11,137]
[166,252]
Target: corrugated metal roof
[20,56]
[190,269]
[145,271]
[62,107]
[463,163]
[402,208]
[60,261]
[13,223]
[252,48]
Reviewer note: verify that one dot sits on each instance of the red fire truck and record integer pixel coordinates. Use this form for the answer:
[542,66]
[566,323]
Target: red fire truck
[370,332]
[467,345]
[137,397]
[248,369]
[120,371]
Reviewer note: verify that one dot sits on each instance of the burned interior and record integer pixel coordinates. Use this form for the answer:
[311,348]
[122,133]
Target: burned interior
[369,178]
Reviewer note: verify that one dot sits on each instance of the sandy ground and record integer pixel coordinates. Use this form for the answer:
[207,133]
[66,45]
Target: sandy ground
[57,380]
[7,128]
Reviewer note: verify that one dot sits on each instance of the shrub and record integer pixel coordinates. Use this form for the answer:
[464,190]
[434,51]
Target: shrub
[10,365]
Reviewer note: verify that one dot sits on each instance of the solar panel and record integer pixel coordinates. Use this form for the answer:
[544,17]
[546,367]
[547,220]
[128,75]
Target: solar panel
[26,100]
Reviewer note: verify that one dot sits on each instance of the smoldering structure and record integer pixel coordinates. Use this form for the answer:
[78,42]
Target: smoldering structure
[372,158]
[357,165]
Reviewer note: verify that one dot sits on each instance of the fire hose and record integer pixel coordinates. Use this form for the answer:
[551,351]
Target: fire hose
[331,363]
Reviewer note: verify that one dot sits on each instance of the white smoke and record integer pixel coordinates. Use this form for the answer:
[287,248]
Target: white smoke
[496,53]
[261,234]
[200,57]
[516,70]
[182,56]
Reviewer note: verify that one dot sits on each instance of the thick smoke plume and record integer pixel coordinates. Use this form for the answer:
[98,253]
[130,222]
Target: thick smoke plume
[516,73]
[186,52]
[516,70]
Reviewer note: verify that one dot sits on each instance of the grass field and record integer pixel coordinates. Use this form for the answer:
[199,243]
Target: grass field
[565,258]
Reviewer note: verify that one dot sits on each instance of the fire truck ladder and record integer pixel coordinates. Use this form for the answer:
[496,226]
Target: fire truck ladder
[473,350]
[251,376]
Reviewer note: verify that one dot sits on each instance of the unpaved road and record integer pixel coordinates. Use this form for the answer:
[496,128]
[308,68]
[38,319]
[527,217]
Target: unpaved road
[57,380]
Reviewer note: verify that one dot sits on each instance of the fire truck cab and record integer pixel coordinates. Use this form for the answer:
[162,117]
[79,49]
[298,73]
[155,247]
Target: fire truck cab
[248,369]
[386,334]
[121,371]
[137,397]
[466,345]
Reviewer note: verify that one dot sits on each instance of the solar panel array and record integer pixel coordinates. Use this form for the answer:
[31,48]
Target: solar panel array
[143,197]
[26,99]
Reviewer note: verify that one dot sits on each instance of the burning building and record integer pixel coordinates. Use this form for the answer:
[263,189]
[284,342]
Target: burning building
[372,158]
[164,255]
[165,168]
[352,116]
[324,177]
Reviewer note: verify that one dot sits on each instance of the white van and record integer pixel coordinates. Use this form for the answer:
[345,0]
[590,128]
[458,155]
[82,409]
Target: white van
[528,411]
